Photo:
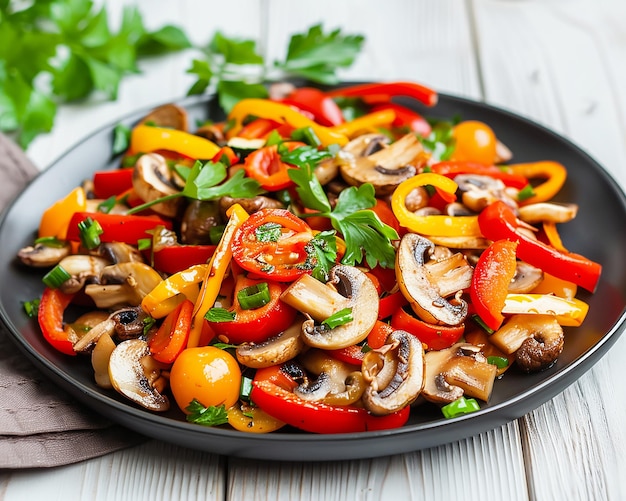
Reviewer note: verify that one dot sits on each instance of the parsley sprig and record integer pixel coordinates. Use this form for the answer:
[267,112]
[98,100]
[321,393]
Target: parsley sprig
[55,51]
[207,416]
[236,70]
[366,236]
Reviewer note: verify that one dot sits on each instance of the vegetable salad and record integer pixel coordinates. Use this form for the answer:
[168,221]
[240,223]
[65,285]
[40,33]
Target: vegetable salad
[319,260]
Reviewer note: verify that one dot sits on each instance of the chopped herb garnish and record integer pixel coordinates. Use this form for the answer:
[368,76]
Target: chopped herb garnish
[206,416]
[90,231]
[499,362]
[121,138]
[107,205]
[255,296]
[525,193]
[32,307]
[219,315]
[338,318]
[50,242]
[268,232]
[321,254]
[56,277]
[460,407]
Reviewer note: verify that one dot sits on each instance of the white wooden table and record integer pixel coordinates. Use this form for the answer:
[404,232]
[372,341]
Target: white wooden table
[559,62]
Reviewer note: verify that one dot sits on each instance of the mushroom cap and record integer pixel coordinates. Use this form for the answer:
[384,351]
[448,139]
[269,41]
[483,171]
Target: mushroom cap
[274,351]
[43,256]
[152,179]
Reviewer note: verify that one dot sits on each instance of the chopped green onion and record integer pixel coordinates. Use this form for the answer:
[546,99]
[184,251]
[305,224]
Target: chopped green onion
[460,407]
[268,232]
[525,193]
[245,388]
[499,362]
[107,205]
[50,242]
[306,135]
[56,277]
[32,307]
[482,324]
[90,231]
[338,318]
[219,315]
[148,323]
[254,296]
[144,243]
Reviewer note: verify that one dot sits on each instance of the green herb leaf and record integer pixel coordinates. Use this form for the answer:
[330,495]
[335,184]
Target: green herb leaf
[310,190]
[231,92]
[303,156]
[207,416]
[268,232]
[322,250]
[234,50]
[338,318]
[219,315]
[121,138]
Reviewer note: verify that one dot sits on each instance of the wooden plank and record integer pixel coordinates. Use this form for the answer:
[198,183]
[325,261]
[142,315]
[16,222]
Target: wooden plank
[153,471]
[568,62]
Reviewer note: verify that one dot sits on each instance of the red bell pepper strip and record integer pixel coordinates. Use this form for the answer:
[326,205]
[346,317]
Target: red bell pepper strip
[406,117]
[383,92]
[258,324]
[226,155]
[266,166]
[350,354]
[498,221]
[505,174]
[388,305]
[435,337]
[175,258]
[50,317]
[171,337]
[117,227]
[282,257]
[317,417]
[320,105]
[492,275]
[379,334]
[258,128]
[112,182]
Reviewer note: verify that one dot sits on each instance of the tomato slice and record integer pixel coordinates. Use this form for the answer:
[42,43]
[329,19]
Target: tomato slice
[268,169]
[271,244]
[436,337]
[317,417]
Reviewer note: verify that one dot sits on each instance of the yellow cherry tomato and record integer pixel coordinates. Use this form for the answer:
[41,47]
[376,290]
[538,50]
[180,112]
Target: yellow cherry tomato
[210,375]
[474,142]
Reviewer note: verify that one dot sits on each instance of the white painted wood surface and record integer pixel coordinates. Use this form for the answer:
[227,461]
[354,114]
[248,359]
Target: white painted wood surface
[559,62]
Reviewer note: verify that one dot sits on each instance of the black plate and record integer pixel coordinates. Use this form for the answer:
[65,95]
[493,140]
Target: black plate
[599,232]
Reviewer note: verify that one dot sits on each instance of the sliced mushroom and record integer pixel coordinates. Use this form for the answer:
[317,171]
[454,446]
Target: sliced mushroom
[129,322]
[503,153]
[87,342]
[275,351]
[348,287]
[386,168]
[137,376]
[123,284]
[550,212]
[82,269]
[459,370]
[337,382]
[451,274]
[43,256]
[100,357]
[526,278]
[119,252]
[199,219]
[169,115]
[479,191]
[395,374]
[473,243]
[418,287]
[152,179]
[251,205]
[536,340]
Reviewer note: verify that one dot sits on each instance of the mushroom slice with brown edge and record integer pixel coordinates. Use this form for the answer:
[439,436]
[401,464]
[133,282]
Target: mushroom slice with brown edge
[348,287]
[123,284]
[336,383]
[274,351]
[100,357]
[536,340]
[386,168]
[137,376]
[479,191]
[417,285]
[152,179]
[44,256]
[451,274]
[118,252]
[550,212]
[456,371]
[395,374]
[168,115]
[526,278]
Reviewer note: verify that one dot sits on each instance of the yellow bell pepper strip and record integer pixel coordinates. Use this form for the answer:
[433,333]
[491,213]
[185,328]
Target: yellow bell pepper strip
[381,118]
[172,291]
[282,113]
[56,219]
[437,225]
[145,139]
[218,266]
[554,174]
[568,312]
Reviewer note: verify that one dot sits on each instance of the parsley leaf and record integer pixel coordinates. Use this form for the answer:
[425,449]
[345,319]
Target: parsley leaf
[207,416]
[64,50]
[366,236]
[322,249]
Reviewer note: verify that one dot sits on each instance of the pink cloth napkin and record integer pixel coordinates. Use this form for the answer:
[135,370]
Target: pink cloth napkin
[40,425]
